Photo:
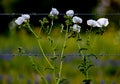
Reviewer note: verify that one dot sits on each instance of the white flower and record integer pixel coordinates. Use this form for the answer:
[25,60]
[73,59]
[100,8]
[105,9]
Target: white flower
[70,13]
[54,12]
[25,16]
[76,28]
[102,22]
[92,23]
[77,19]
[19,20]
[22,19]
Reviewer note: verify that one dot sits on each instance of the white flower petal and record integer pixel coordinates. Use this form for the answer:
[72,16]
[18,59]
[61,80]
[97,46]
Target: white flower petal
[76,28]
[77,19]
[92,23]
[19,20]
[103,22]
[25,16]
[54,12]
[70,13]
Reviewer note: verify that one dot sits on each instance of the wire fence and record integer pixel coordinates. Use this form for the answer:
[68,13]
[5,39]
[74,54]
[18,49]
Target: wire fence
[38,14]
[71,54]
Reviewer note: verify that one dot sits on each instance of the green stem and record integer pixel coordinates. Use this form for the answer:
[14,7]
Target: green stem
[44,54]
[86,68]
[31,30]
[84,57]
[80,51]
[50,27]
[40,30]
[40,46]
[42,76]
[61,57]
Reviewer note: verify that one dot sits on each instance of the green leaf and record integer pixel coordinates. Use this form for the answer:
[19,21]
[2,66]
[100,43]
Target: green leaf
[92,55]
[72,35]
[63,81]
[49,68]
[83,49]
[54,58]
[79,39]
[89,66]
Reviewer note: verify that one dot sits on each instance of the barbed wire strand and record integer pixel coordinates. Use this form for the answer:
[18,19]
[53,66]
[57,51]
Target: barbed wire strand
[37,14]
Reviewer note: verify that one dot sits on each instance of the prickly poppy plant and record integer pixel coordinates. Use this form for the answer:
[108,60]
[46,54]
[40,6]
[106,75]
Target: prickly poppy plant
[71,29]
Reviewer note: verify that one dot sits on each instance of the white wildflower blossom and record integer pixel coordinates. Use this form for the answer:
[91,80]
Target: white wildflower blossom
[22,19]
[25,16]
[77,19]
[76,28]
[19,20]
[70,13]
[54,12]
[103,22]
[92,23]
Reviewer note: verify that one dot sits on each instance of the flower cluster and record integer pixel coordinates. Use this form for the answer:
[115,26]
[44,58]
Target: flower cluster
[75,19]
[22,19]
[102,22]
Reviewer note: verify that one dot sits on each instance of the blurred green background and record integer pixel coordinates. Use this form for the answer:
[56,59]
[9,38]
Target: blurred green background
[18,69]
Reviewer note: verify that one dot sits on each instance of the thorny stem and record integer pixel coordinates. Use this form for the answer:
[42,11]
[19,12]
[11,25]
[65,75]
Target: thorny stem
[42,76]
[45,55]
[51,27]
[54,53]
[83,57]
[38,40]
[79,48]
[61,57]
[40,29]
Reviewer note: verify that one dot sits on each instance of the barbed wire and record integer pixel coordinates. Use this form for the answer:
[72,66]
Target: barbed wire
[37,14]
[75,54]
